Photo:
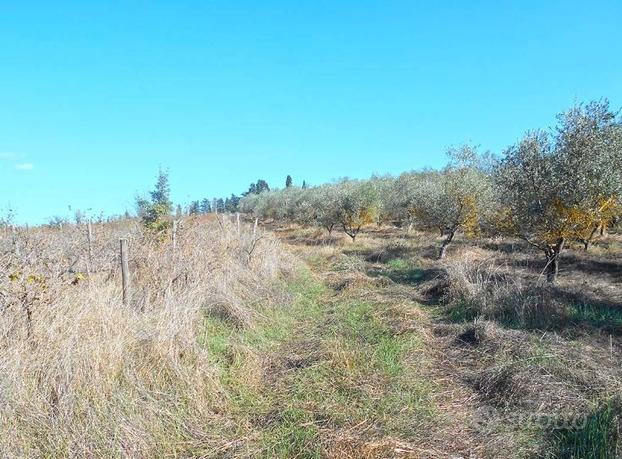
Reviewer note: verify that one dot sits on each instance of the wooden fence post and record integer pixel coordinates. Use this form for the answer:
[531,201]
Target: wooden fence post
[89,239]
[125,271]
[237,216]
[174,234]
[16,248]
[255,227]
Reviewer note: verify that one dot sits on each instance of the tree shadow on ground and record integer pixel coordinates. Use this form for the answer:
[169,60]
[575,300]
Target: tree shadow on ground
[570,262]
[384,254]
[590,265]
[583,297]
[506,247]
[312,241]
[406,274]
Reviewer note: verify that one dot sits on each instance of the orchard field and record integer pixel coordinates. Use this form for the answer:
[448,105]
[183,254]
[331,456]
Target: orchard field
[472,311]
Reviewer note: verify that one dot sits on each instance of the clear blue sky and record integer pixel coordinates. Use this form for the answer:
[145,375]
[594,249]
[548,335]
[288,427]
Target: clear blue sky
[95,95]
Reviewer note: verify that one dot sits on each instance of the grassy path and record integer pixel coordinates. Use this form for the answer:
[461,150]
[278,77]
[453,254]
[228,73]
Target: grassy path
[493,389]
[326,376]
[348,367]
[354,365]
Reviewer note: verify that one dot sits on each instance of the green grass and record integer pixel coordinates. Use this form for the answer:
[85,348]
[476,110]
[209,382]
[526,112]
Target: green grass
[462,311]
[356,369]
[595,438]
[401,271]
[405,272]
[364,373]
[597,316]
[294,435]
[388,354]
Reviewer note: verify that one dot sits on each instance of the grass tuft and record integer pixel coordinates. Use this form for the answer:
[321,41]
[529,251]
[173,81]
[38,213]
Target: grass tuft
[597,436]
[598,316]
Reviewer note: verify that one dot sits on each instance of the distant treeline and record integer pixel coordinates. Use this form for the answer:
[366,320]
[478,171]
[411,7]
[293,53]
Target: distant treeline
[232,203]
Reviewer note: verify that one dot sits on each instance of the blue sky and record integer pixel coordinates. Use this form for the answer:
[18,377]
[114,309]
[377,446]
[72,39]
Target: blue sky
[95,96]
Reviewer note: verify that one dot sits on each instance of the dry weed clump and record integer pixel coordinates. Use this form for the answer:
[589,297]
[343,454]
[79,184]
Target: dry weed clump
[84,375]
[543,375]
[482,288]
[533,379]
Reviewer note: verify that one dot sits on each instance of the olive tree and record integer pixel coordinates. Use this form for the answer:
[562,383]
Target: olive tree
[560,186]
[455,198]
[249,204]
[384,184]
[264,205]
[358,204]
[398,202]
[589,143]
[286,203]
[324,209]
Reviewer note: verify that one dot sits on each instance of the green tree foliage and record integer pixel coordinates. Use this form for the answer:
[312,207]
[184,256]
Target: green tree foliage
[358,204]
[548,188]
[194,208]
[564,185]
[206,206]
[323,210]
[399,198]
[232,203]
[155,212]
[288,181]
[456,198]
[256,188]
[383,186]
[161,195]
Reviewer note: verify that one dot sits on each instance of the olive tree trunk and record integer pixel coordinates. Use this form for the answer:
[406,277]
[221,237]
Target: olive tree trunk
[445,243]
[587,242]
[552,253]
[352,231]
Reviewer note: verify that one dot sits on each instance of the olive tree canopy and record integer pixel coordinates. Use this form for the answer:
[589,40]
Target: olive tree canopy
[563,185]
[358,204]
[456,198]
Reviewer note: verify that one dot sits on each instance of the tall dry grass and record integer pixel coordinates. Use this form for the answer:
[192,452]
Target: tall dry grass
[83,375]
[485,288]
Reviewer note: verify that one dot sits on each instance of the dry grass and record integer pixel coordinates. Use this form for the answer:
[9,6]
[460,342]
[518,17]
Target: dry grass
[382,351]
[84,375]
[483,288]
[515,361]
